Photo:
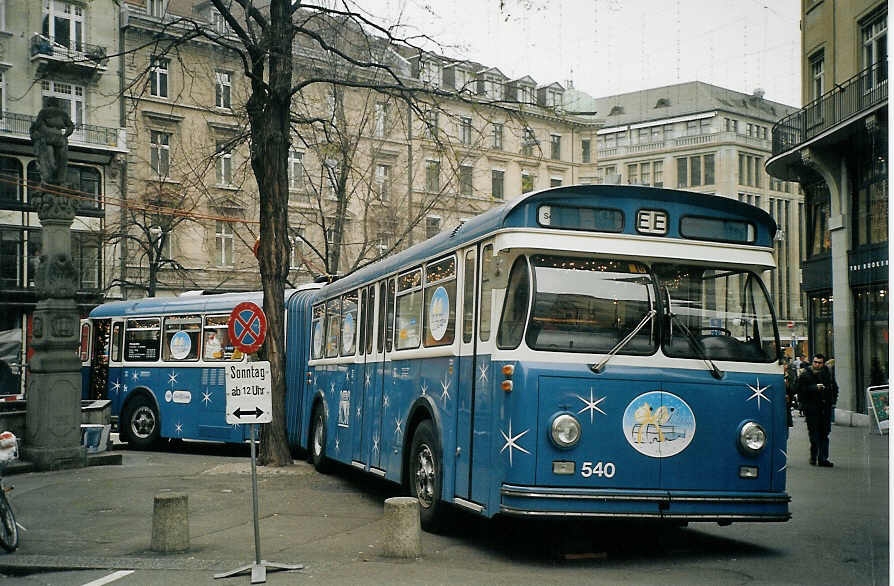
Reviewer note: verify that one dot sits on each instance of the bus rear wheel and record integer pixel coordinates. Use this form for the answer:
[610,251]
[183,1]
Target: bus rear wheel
[318,442]
[425,477]
[142,423]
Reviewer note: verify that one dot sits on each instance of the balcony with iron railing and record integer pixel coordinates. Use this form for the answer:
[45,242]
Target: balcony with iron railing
[71,54]
[862,94]
[682,142]
[13,124]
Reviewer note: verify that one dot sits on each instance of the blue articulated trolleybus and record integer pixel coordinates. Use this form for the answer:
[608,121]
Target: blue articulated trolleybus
[602,351]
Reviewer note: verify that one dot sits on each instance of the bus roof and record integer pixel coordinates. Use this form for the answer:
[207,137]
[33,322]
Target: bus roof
[522,212]
[219,302]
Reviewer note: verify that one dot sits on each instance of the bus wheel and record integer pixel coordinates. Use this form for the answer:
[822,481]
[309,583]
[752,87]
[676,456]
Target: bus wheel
[425,477]
[143,425]
[318,442]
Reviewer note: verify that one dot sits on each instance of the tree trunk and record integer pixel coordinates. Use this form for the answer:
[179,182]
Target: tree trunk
[269,119]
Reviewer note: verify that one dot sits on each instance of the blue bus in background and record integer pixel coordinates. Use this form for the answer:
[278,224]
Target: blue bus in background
[595,351]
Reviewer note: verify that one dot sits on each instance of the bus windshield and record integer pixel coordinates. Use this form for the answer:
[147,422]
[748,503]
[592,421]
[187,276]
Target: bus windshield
[590,305]
[719,314]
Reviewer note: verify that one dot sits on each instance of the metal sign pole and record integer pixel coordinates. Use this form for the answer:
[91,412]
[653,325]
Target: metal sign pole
[259,568]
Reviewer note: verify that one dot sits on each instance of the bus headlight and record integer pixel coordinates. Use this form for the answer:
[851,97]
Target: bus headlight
[565,431]
[752,438]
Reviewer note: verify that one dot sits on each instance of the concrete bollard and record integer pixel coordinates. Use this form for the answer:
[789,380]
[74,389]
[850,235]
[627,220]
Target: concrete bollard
[403,531]
[170,522]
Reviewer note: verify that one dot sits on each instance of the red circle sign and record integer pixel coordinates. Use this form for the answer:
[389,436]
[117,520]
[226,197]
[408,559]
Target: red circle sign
[247,327]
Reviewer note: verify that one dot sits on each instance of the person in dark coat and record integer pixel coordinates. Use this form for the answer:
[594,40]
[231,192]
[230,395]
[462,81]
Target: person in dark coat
[817,394]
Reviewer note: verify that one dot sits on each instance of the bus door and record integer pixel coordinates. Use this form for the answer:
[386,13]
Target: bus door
[481,405]
[116,387]
[384,339]
[366,374]
[468,377]
[95,347]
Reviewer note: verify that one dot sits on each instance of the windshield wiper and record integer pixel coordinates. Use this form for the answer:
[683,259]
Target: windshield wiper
[715,372]
[597,368]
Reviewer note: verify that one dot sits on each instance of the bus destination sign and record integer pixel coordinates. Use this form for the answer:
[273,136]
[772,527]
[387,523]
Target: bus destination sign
[249,397]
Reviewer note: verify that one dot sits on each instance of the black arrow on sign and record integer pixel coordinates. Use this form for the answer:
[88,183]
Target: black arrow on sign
[239,412]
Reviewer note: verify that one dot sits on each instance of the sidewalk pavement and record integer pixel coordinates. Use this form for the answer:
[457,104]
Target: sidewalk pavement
[101,517]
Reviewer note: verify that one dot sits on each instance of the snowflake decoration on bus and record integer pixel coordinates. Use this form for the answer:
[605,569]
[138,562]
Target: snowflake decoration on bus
[758,393]
[206,398]
[397,429]
[483,368]
[511,442]
[172,378]
[445,388]
[592,405]
[116,386]
[424,389]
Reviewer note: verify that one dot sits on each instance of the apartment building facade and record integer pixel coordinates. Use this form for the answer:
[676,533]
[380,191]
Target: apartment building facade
[836,146]
[704,138]
[63,50]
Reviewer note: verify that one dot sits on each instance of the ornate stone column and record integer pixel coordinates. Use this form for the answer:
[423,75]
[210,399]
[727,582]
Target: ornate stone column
[53,400]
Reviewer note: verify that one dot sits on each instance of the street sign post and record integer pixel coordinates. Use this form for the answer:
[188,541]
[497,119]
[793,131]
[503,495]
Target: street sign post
[250,400]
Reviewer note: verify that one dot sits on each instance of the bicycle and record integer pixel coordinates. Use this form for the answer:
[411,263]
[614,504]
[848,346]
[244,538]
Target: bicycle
[9,531]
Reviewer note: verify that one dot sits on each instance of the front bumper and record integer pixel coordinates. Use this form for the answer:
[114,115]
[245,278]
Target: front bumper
[644,504]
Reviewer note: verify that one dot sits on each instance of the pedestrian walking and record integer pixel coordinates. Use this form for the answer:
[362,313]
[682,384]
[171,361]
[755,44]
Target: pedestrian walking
[817,394]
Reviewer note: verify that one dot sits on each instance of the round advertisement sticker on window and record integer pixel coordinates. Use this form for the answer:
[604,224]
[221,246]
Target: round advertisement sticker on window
[180,345]
[439,313]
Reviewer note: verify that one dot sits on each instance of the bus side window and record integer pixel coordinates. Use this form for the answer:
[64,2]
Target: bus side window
[85,341]
[317,326]
[216,340]
[487,259]
[363,311]
[370,323]
[469,297]
[333,325]
[141,338]
[349,324]
[389,316]
[439,302]
[181,337]
[116,342]
[381,328]
[409,310]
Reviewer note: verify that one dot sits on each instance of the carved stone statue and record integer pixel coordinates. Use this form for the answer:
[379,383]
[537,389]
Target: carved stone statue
[49,133]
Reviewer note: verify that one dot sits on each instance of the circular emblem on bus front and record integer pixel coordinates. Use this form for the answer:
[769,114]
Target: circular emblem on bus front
[180,345]
[439,313]
[658,424]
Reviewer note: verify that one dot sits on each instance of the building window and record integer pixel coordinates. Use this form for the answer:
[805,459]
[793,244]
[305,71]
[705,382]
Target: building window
[224,165]
[555,147]
[296,169]
[433,176]
[430,73]
[555,182]
[585,150]
[381,118]
[817,76]
[11,251]
[63,24]
[296,254]
[222,89]
[465,130]
[695,171]
[750,170]
[432,226]
[633,174]
[658,169]
[709,169]
[430,130]
[11,188]
[529,139]
[496,183]
[71,99]
[219,23]
[731,125]
[875,49]
[645,173]
[692,128]
[383,182]
[156,8]
[223,241]
[160,152]
[87,182]
[527,182]
[158,77]
[498,136]
[682,172]
[2,88]
[818,233]
[871,205]
[465,180]
[85,256]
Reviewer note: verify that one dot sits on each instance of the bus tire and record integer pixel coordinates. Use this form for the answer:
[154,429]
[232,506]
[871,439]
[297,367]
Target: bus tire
[142,423]
[318,442]
[9,532]
[425,477]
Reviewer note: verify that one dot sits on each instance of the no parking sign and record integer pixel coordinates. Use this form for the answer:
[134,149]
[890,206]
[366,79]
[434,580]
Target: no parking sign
[247,327]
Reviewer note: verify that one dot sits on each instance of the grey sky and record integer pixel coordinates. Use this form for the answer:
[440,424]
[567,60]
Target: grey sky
[614,46]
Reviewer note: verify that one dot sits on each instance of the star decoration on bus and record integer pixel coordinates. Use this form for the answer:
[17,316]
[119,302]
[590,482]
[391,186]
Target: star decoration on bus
[368,380]
[125,389]
[206,397]
[116,386]
[135,375]
[445,388]
[178,428]
[172,378]
[397,424]
[784,455]
[332,388]
[592,405]
[758,393]
[337,445]
[511,442]
[376,444]
[483,368]
[359,411]
[424,388]
[385,401]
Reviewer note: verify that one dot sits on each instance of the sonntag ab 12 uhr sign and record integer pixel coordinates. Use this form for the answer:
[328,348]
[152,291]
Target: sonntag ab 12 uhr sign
[249,399]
